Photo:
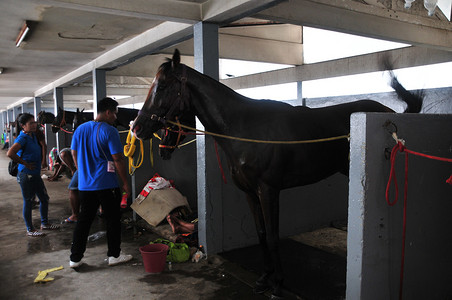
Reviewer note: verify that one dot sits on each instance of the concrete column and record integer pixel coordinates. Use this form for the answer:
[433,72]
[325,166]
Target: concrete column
[208,182]
[24,108]
[300,99]
[36,106]
[58,102]
[375,229]
[9,116]
[2,123]
[99,88]
[14,131]
[17,111]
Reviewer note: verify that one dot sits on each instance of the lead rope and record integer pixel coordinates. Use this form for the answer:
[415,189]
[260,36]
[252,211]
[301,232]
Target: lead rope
[129,150]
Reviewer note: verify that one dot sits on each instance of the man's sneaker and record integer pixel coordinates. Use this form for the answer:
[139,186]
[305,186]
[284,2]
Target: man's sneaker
[119,260]
[73,264]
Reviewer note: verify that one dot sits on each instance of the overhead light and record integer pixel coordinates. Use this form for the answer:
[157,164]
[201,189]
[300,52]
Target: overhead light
[23,32]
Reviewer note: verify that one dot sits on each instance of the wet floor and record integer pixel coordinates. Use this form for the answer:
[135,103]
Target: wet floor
[22,257]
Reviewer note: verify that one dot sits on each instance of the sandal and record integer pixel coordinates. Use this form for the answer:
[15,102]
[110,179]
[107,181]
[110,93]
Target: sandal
[69,220]
[35,233]
[49,227]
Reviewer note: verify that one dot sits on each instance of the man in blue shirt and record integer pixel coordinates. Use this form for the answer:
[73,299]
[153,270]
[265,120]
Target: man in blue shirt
[97,152]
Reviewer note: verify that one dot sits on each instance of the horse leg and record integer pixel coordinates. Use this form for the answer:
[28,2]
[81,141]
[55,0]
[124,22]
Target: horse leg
[269,200]
[262,283]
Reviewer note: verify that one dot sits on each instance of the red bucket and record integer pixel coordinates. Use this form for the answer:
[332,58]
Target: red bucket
[154,257]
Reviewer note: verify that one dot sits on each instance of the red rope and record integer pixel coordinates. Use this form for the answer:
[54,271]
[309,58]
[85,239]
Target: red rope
[392,177]
[70,132]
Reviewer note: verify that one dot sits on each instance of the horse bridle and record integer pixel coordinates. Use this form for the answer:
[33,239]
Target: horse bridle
[180,133]
[181,100]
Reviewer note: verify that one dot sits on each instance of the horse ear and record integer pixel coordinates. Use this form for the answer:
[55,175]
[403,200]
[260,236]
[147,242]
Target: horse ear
[176,58]
[82,110]
[78,110]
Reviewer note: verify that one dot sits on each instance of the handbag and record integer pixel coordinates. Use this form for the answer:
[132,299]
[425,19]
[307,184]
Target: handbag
[177,252]
[13,168]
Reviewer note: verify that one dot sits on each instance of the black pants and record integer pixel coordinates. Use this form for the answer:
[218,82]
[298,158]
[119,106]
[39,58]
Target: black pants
[110,200]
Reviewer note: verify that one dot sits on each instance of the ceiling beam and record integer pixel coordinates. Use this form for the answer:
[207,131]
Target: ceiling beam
[401,58]
[224,12]
[164,10]
[366,20]
[270,51]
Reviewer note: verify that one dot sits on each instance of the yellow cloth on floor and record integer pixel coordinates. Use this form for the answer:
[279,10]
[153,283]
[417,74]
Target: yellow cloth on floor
[42,275]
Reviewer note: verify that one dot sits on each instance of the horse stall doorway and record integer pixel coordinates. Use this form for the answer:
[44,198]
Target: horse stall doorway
[313,232]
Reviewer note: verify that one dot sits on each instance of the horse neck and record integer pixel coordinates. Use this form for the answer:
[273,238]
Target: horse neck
[214,104]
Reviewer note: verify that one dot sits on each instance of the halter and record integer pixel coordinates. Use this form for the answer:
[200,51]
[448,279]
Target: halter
[181,100]
[180,132]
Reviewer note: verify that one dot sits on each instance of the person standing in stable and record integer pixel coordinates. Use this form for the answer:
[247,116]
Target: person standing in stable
[26,151]
[98,156]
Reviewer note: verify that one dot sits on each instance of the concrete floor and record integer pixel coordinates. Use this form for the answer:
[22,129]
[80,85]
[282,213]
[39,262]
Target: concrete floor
[21,258]
[314,263]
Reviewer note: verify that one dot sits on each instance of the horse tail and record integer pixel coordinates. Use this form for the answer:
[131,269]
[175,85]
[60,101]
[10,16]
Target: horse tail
[413,100]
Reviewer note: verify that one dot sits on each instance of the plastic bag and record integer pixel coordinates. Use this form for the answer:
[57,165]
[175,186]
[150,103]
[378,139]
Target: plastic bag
[178,252]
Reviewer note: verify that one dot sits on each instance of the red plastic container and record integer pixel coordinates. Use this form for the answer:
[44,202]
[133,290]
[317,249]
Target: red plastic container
[154,257]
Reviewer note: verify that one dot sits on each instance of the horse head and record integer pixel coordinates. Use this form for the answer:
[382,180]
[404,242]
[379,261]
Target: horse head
[79,118]
[58,121]
[168,98]
[45,117]
[173,135]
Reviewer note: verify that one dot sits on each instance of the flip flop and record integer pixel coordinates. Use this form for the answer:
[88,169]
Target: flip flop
[69,220]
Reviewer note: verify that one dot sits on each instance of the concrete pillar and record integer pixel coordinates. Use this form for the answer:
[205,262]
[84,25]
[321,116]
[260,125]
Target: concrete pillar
[99,88]
[2,123]
[375,229]
[17,111]
[300,99]
[208,182]
[23,108]
[36,106]
[14,131]
[9,116]
[58,102]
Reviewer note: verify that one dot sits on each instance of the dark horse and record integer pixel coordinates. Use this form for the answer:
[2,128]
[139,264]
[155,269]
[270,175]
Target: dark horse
[122,122]
[65,117]
[261,170]
[45,117]
[124,116]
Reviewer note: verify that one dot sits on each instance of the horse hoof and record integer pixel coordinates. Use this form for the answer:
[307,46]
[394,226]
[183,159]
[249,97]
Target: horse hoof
[274,297]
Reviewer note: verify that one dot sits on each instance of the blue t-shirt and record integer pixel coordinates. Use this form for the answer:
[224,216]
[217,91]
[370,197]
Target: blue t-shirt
[30,151]
[91,160]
